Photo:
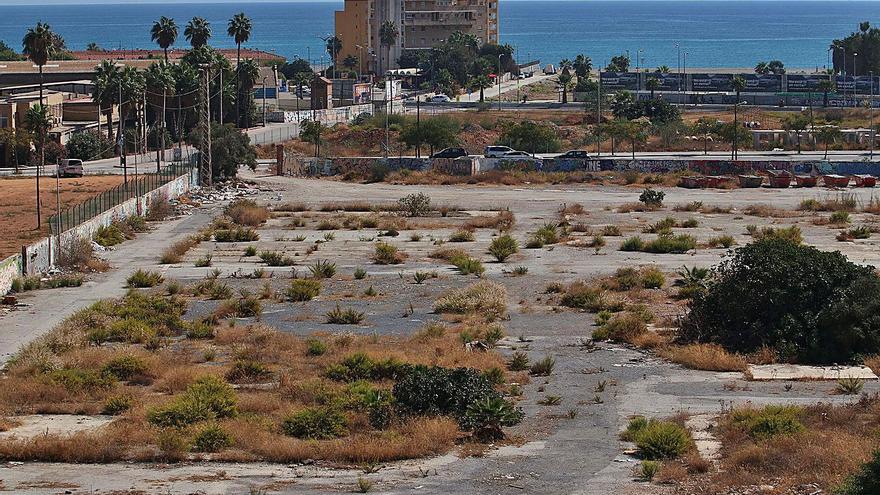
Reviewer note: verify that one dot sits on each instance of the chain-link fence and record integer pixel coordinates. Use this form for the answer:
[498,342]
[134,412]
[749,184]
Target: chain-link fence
[135,187]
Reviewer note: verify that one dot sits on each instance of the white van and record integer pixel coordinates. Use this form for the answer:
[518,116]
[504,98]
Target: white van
[71,167]
[549,70]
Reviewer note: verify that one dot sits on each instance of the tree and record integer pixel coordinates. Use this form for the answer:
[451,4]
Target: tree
[164,33]
[619,63]
[239,29]
[105,91]
[739,84]
[582,67]
[94,47]
[776,67]
[825,86]
[388,33]
[652,85]
[39,44]
[333,46]
[565,82]
[350,62]
[198,32]
[865,481]
[734,133]
[616,130]
[480,82]
[248,73]
[39,122]
[230,148]
[7,53]
[827,134]
[669,131]
[806,305]
[762,68]
[865,42]
[88,145]
[529,136]
[437,132]
[663,69]
[310,132]
[635,131]
[705,127]
[796,123]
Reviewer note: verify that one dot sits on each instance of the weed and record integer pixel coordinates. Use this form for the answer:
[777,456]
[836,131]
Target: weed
[246,212]
[503,247]
[237,234]
[274,258]
[204,261]
[250,251]
[322,269]
[543,367]
[302,290]
[117,404]
[850,385]
[143,279]
[724,241]
[387,254]
[420,277]
[647,470]
[360,273]
[632,244]
[520,271]
[462,236]
[211,438]
[485,298]
[315,347]
[364,485]
[246,371]
[652,198]
[315,423]
[467,266]
[550,400]
[519,361]
[348,316]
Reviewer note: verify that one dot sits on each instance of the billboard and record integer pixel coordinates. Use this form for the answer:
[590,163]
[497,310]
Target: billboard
[668,81]
[804,83]
[712,82]
[620,80]
[855,84]
[762,83]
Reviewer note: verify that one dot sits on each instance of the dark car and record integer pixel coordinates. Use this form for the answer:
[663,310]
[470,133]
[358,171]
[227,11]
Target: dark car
[580,154]
[450,153]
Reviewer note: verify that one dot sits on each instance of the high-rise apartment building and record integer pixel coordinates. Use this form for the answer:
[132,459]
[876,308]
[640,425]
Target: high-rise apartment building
[421,24]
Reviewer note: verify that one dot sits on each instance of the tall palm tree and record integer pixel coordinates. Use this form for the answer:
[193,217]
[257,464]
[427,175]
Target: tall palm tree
[480,82]
[239,28]
[39,44]
[652,85]
[105,91]
[197,32]
[164,33]
[334,46]
[248,73]
[39,121]
[388,33]
[582,66]
[159,80]
[565,79]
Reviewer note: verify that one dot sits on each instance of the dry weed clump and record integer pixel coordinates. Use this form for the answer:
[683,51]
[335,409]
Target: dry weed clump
[707,357]
[502,221]
[171,406]
[247,213]
[174,253]
[489,299]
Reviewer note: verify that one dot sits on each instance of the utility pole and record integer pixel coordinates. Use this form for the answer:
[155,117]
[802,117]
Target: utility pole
[120,138]
[499,82]
[871,111]
[419,129]
[389,90]
[599,115]
[221,94]
[205,169]
[264,102]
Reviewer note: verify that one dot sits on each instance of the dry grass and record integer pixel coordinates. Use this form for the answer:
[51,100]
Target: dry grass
[764,211]
[488,299]
[246,212]
[175,252]
[835,440]
[707,357]
[30,386]
[502,221]
[873,362]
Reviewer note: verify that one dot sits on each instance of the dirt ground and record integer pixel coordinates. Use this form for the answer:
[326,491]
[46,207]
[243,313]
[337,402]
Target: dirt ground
[18,208]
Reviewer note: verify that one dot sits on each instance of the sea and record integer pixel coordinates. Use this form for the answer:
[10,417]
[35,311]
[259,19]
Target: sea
[710,34]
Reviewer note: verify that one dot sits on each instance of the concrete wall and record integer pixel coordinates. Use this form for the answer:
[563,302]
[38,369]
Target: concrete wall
[10,269]
[40,256]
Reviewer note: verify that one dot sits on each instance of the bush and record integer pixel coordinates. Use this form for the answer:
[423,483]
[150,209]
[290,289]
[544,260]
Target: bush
[807,305]
[467,265]
[238,234]
[543,367]
[246,212]
[359,366]
[652,198]
[624,327]
[724,241]
[866,481]
[518,362]
[315,347]
[424,390]
[207,399]
[117,404]
[347,316]
[143,279]
[77,380]
[124,367]
[245,371]
[303,289]
[667,243]
[211,438]
[109,235]
[274,258]
[414,205]
[632,244]
[530,136]
[88,146]
[658,440]
[488,415]
[652,278]
[485,298]
[791,234]
[315,423]
[503,247]
[462,236]
[387,254]
[322,269]
[582,296]
[767,422]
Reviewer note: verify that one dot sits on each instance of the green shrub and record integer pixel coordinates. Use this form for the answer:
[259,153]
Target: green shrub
[360,273]
[207,398]
[667,243]
[468,266]
[791,234]
[387,254]
[462,236]
[315,423]
[839,217]
[322,269]
[200,330]
[648,470]
[582,296]
[865,481]
[518,362]
[724,241]
[690,223]
[414,205]
[78,380]
[547,234]
[659,440]
[303,289]
[211,438]
[124,367]
[652,278]
[143,279]
[109,235]
[486,417]
[347,316]
[204,261]
[246,371]
[769,421]
[652,198]
[850,385]
[250,251]
[423,390]
[503,247]
[237,234]
[663,226]
[829,314]
[625,327]
[634,243]
[543,367]
[359,366]
[117,404]
[274,258]
[315,347]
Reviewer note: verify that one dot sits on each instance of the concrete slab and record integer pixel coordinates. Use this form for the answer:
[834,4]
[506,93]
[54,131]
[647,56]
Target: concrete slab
[53,424]
[798,372]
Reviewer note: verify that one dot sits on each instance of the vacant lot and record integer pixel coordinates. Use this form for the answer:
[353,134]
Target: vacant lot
[18,205]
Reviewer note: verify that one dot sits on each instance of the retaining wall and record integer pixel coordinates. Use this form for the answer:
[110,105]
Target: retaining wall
[10,269]
[40,256]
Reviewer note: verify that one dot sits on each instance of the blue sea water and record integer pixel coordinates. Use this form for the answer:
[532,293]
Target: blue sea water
[725,33]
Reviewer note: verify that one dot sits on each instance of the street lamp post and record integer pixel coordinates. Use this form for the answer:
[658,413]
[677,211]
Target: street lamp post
[854,78]
[264,101]
[871,111]
[499,82]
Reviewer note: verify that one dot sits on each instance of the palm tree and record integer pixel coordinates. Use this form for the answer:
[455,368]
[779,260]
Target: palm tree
[739,84]
[132,85]
[565,79]
[652,84]
[38,121]
[825,86]
[350,62]
[105,90]
[635,132]
[164,33]
[239,29]
[797,123]
[248,73]
[198,32]
[159,79]
[39,45]
[582,67]
[388,33]
[480,82]
[334,46]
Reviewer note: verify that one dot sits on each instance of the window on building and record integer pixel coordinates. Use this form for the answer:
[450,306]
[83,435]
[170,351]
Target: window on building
[4,122]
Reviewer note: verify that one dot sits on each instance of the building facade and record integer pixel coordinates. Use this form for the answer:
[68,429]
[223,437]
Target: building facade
[421,24]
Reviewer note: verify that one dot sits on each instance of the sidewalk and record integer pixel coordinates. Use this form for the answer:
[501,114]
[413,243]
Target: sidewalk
[49,307]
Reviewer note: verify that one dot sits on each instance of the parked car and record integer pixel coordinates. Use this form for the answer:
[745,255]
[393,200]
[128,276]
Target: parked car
[70,167]
[517,154]
[440,99]
[450,153]
[496,151]
[579,154]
